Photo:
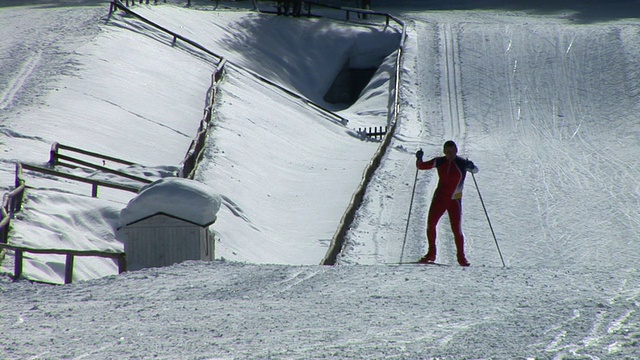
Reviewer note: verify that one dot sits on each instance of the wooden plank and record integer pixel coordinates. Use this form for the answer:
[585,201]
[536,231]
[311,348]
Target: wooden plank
[107,254]
[79,178]
[122,264]
[102,168]
[17,266]
[68,269]
[69,262]
[94,154]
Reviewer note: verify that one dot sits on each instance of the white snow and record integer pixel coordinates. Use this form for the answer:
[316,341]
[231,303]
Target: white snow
[544,98]
[182,198]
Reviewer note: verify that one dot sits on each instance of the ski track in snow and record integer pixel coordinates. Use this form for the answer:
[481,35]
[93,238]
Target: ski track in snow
[15,84]
[451,87]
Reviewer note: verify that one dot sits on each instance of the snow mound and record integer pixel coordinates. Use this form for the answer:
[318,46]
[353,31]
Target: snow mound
[186,199]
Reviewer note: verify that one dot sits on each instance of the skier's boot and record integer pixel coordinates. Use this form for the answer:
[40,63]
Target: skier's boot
[462,260]
[430,257]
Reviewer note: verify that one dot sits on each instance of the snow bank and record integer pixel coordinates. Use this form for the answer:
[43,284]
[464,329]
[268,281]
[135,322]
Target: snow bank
[183,198]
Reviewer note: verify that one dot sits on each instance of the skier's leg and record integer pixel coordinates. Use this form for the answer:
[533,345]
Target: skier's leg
[455,217]
[436,211]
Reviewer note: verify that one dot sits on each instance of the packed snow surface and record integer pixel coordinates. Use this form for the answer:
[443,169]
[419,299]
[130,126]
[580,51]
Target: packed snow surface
[544,98]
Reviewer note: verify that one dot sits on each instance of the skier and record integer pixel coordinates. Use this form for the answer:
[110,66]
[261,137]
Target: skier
[447,197]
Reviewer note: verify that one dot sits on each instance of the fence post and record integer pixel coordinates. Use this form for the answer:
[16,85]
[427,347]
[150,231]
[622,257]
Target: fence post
[68,269]
[17,266]
[4,232]
[15,202]
[18,180]
[94,190]
[122,263]
[53,155]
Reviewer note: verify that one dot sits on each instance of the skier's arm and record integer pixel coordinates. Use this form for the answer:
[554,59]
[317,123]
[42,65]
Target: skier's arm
[424,165]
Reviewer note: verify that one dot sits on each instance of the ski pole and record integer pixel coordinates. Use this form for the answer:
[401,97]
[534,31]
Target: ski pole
[406,230]
[488,220]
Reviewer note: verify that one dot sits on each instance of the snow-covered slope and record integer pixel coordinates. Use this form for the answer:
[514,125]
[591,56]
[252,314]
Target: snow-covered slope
[549,111]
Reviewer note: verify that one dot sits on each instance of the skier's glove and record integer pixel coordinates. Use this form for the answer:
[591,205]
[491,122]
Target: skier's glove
[471,167]
[419,154]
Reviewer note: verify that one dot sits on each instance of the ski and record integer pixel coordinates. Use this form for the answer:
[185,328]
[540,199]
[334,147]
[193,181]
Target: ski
[422,263]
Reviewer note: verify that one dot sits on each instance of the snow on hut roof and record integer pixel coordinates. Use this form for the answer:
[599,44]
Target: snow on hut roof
[181,198]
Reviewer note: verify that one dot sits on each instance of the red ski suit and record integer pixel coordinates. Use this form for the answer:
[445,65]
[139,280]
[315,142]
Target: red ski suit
[447,197]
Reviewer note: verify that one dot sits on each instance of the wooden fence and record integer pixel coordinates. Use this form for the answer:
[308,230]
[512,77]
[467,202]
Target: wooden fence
[58,159]
[377,132]
[338,240]
[194,154]
[12,203]
[117,4]
[195,151]
[146,2]
[339,237]
[70,256]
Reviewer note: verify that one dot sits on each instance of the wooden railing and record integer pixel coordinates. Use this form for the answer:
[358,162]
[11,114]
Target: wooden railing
[364,14]
[146,2]
[194,154]
[58,159]
[70,256]
[195,151]
[12,203]
[377,132]
[117,4]
[95,184]
[338,240]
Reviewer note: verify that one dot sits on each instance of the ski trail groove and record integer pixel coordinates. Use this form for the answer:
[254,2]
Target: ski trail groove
[453,111]
[25,71]
[296,279]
